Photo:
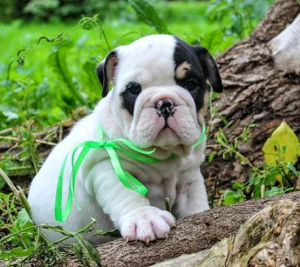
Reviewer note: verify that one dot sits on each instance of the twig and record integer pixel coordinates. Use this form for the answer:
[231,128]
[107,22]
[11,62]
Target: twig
[6,131]
[16,139]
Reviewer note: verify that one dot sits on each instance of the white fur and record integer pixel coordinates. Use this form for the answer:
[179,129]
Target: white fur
[99,192]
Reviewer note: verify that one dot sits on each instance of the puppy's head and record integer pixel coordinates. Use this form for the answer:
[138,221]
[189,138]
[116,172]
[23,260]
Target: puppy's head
[159,90]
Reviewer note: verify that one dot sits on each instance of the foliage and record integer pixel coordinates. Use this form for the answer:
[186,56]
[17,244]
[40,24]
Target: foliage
[50,9]
[237,15]
[48,71]
[25,240]
[282,146]
[148,14]
[277,176]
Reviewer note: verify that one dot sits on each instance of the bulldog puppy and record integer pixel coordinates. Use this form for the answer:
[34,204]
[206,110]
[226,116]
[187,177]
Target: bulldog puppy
[158,101]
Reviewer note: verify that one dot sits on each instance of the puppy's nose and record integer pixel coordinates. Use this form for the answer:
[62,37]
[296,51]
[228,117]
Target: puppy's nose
[165,107]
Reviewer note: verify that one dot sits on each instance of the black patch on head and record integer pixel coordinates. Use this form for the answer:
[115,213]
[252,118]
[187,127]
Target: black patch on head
[203,68]
[131,93]
[194,80]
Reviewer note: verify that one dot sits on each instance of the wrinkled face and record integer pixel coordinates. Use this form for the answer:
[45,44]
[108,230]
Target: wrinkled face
[160,84]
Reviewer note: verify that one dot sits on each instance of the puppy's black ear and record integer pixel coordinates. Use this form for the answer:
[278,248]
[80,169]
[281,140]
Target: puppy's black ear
[106,71]
[210,68]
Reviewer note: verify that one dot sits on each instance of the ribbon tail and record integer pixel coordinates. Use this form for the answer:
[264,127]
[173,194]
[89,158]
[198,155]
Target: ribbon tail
[60,214]
[200,140]
[127,179]
[140,188]
[75,168]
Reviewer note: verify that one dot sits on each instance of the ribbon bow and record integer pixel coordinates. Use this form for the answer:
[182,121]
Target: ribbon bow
[125,177]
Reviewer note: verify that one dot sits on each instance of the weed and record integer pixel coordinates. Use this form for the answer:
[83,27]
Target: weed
[273,178]
[43,79]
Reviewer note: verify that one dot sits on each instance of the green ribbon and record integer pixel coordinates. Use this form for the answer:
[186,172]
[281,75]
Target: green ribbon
[125,177]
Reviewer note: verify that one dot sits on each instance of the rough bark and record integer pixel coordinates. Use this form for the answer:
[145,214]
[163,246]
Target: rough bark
[192,234]
[255,92]
[270,238]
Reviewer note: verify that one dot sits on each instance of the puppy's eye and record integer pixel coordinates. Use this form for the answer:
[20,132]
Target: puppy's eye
[191,86]
[134,88]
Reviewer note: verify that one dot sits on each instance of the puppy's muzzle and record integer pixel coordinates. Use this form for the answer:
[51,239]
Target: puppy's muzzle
[165,108]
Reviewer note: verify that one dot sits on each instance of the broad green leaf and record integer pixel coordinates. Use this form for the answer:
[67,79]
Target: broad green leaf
[93,83]
[282,146]
[148,14]
[58,61]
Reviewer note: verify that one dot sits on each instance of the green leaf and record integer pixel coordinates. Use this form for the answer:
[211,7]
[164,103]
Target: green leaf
[256,192]
[282,146]
[89,23]
[23,219]
[237,185]
[251,178]
[211,156]
[224,120]
[232,197]
[93,83]
[291,167]
[78,251]
[58,61]
[15,253]
[221,138]
[273,191]
[112,233]
[90,252]
[148,15]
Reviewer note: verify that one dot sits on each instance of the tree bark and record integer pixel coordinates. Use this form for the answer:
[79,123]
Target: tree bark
[255,92]
[192,234]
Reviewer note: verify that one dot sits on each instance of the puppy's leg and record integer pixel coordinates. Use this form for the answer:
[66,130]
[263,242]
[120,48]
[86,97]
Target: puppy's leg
[191,194]
[130,212]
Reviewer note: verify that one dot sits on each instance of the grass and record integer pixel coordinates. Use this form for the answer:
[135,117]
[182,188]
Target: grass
[47,72]
[32,87]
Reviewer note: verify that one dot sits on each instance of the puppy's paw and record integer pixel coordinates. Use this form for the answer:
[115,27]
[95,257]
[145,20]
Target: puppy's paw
[146,224]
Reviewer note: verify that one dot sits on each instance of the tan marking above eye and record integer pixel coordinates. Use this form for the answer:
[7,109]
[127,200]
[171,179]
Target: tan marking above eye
[182,70]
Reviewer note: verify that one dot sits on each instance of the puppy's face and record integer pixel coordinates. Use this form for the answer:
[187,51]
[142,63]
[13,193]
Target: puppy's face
[159,90]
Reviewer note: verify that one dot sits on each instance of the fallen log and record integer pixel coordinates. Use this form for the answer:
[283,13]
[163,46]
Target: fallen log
[192,234]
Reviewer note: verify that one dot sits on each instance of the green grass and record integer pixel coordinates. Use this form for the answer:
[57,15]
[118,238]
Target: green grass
[44,97]
[47,71]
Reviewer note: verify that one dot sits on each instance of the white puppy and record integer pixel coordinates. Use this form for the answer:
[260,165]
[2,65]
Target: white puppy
[157,102]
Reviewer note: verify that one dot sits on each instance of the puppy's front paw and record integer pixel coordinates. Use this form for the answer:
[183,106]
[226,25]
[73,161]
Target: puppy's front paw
[146,223]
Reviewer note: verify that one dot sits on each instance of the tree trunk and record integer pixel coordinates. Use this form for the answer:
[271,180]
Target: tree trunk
[201,231]
[259,89]
[262,86]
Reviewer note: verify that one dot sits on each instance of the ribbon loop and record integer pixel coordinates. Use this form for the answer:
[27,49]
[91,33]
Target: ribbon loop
[125,177]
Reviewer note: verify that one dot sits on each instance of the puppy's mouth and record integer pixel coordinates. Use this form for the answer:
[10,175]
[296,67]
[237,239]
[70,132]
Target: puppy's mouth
[167,137]
[165,122]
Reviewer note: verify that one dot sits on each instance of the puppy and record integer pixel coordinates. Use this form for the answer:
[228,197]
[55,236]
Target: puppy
[158,101]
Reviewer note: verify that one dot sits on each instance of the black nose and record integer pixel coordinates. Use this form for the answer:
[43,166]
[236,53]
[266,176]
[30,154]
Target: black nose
[165,108]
